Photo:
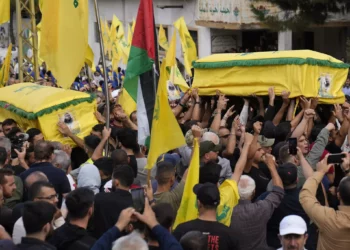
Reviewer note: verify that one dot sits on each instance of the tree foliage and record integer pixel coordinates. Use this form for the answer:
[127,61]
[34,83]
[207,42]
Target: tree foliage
[298,14]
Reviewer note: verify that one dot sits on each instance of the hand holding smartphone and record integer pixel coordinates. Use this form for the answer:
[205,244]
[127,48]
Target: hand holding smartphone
[292,142]
[335,158]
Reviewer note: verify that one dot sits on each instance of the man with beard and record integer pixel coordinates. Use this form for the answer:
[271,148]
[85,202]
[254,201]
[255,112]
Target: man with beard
[37,219]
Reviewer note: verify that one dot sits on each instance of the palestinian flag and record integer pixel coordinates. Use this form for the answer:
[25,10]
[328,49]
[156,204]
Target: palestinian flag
[142,68]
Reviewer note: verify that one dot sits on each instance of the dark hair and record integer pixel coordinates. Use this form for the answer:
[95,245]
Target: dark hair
[210,172]
[8,122]
[194,240]
[344,191]
[165,170]
[128,138]
[92,141]
[3,156]
[134,112]
[165,216]
[124,174]
[98,128]
[105,164]
[120,157]
[36,215]
[282,131]
[32,133]
[35,189]
[79,202]
[188,125]
[5,172]
[29,150]
[13,132]
[43,150]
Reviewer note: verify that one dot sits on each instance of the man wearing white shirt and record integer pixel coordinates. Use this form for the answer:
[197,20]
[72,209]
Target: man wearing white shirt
[293,233]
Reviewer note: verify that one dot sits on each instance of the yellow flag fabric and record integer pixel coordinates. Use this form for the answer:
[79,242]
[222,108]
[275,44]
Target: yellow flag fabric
[302,72]
[162,40]
[64,38]
[188,208]
[5,68]
[130,33]
[4,11]
[170,58]
[177,78]
[128,103]
[125,49]
[117,29]
[166,133]
[89,56]
[229,198]
[36,106]
[133,25]
[187,43]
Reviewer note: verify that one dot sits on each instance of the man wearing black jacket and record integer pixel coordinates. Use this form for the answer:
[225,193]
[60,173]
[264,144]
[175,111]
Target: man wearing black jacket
[73,235]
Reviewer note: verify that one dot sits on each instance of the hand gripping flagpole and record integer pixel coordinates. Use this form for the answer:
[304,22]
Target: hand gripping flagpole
[105,75]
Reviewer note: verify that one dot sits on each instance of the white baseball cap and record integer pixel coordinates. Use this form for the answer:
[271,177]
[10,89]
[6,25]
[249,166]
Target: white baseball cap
[292,224]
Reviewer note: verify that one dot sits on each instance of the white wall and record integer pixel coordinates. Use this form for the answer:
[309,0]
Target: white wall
[108,8]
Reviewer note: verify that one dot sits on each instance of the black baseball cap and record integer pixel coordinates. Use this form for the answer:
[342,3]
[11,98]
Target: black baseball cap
[208,146]
[207,193]
[209,172]
[288,173]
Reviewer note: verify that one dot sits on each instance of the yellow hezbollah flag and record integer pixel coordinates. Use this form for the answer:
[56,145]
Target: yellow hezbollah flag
[130,33]
[177,78]
[166,133]
[302,72]
[4,11]
[35,106]
[117,29]
[127,102]
[89,56]
[133,25]
[162,40]
[188,45]
[188,207]
[125,49]
[5,69]
[64,38]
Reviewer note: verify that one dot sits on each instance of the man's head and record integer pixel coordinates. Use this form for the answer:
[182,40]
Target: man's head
[289,175]
[6,144]
[285,157]
[130,242]
[43,191]
[344,191]
[303,144]
[174,159]
[293,233]
[208,196]
[209,151]
[61,160]
[120,157]
[91,142]
[210,172]
[224,134]
[80,203]
[105,166]
[43,151]
[194,240]
[165,216]
[133,117]
[38,218]
[3,157]
[35,135]
[165,175]
[123,177]
[7,125]
[97,130]
[7,182]
[246,187]
[127,138]
[34,177]
[259,154]
[266,144]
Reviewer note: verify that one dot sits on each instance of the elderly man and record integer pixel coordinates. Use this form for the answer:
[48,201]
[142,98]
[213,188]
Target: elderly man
[250,232]
[293,233]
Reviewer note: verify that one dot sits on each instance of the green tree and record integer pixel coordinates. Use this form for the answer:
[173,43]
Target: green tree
[298,14]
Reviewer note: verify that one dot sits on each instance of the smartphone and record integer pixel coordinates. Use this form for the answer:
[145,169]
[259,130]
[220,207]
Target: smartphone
[293,146]
[335,158]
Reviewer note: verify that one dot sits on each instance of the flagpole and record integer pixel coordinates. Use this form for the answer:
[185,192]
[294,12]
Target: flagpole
[97,13]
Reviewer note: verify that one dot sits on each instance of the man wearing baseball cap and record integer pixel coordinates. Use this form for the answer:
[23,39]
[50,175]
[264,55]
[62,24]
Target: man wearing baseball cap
[293,233]
[219,236]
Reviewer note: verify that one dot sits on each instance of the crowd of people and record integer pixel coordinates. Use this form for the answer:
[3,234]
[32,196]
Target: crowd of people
[270,196]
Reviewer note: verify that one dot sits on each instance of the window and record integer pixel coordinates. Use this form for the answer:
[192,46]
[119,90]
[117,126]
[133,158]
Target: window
[194,35]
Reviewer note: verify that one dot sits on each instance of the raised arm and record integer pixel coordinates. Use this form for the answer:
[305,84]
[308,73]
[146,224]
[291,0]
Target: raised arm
[228,114]
[64,130]
[196,113]
[222,102]
[242,161]
[270,112]
[339,140]
[271,164]
[244,112]
[231,144]
[98,153]
[290,112]
[178,109]
[285,104]
[300,129]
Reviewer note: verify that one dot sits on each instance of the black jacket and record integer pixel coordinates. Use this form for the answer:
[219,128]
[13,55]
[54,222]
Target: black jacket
[34,244]
[71,237]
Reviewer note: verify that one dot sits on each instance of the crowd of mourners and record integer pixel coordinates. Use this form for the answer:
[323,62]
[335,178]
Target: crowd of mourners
[53,196]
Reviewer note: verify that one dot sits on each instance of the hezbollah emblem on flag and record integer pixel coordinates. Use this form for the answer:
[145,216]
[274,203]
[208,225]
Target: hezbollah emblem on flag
[75,3]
